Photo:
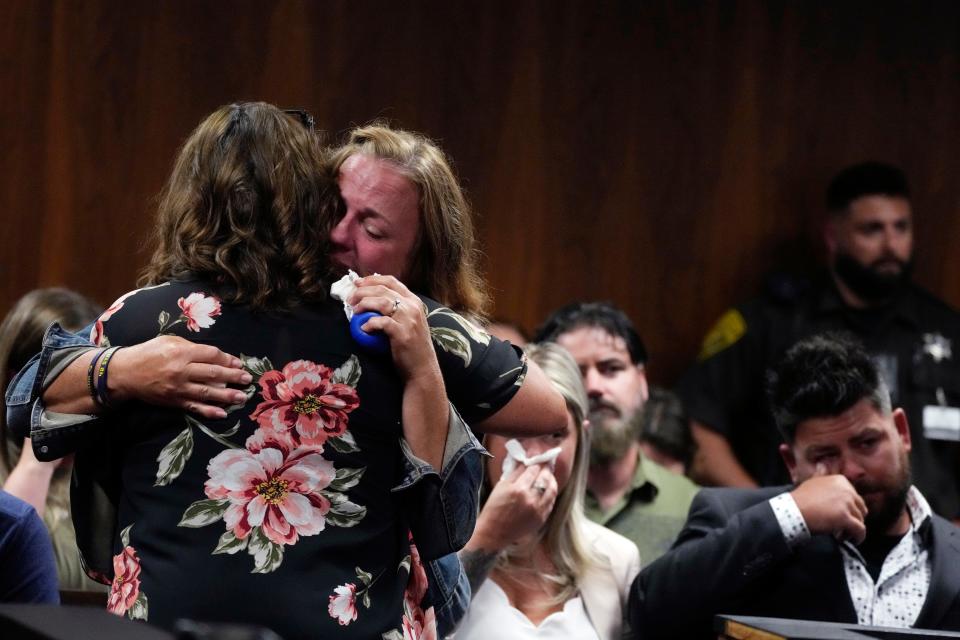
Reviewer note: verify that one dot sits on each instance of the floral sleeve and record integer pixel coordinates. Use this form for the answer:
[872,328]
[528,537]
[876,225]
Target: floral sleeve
[481,372]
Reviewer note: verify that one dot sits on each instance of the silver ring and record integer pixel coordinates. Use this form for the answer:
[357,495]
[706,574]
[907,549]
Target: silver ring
[540,488]
[396,305]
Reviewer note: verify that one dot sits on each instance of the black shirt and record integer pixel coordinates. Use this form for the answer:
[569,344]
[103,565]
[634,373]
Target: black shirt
[874,550]
[281,514]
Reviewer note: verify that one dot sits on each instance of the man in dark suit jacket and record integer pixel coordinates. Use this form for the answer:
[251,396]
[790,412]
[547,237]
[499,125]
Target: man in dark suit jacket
[852,541]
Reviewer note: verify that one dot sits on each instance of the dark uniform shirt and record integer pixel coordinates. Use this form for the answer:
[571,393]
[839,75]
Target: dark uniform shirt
[911,340]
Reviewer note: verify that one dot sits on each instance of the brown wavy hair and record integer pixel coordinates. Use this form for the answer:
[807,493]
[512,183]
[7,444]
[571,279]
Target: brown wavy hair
[445,257]
[242,209]
[21,336]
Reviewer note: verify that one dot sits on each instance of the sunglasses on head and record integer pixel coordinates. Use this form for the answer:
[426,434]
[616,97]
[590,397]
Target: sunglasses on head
[302,116]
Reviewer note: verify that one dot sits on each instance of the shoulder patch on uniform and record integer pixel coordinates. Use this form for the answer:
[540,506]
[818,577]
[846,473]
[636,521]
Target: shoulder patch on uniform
[728,329]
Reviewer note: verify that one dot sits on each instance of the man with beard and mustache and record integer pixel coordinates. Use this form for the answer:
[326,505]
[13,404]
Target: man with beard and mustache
[850,541]
[866,291]
[626,491]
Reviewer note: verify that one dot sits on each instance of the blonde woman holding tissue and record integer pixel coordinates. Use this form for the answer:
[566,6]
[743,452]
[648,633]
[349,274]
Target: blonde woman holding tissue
[538,567]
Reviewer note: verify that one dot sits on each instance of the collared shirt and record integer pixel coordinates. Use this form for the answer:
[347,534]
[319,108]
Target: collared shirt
[652,511]
[896,598]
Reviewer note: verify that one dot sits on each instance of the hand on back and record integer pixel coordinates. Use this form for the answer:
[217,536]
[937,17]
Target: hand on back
[172,372]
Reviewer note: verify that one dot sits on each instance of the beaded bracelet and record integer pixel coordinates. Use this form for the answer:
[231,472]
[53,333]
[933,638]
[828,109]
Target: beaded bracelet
[102,376]
[91,386]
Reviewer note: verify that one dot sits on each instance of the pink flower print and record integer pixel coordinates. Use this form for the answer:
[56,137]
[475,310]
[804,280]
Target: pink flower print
[199,310]
[126,581]
[343,604]
[303,398]
[273,490]
[419,624]
[417,585]
[270,439]
[96,334]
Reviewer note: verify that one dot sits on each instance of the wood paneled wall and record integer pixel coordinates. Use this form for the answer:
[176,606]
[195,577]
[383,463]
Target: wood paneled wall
[663,155]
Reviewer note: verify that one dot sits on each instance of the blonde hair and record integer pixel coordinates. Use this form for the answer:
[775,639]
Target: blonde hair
[243,209]
[564,535]
[445,257]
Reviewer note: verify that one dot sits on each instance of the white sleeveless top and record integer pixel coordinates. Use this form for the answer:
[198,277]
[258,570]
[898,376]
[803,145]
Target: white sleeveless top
[491,615]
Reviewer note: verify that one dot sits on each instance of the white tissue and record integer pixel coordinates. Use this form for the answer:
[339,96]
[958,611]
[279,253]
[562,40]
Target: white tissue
[516,454]
[342,289]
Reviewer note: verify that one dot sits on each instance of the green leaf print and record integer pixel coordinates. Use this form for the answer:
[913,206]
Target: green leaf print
[256,366]
[203,512]
[452,341]
[173,458]
[267,555]
[472,330]
[348,373]
[405,564]
[219,437]
[344,444]
[346,479]
[125,536]
[138,610]
[343,513]
[364,576]
[230,543]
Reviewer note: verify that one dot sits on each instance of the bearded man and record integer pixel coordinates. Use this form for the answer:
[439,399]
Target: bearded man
[865,291]
[850,541]
[626,490]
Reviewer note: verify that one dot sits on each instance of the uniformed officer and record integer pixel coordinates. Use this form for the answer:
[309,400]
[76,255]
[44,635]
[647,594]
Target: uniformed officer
[867,291]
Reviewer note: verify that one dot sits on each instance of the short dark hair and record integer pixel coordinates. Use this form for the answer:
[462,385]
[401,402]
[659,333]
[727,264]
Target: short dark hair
[865,179]
[823,376]
[602,315]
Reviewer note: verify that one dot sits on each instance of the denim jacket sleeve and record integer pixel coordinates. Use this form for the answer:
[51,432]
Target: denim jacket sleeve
[448,591]
[449,499]
[442,507]
[53,434]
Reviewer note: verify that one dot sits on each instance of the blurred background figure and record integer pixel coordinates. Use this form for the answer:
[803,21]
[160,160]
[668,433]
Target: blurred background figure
[536,564]
[508,330]
[626,491]
[865,288]
[664,431]
[28,573]
[43,485]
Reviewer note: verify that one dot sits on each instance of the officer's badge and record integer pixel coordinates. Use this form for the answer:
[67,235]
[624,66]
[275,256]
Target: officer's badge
[937,347]
[729,328]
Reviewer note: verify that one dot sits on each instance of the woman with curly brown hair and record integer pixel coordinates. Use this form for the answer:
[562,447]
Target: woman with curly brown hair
[281,511]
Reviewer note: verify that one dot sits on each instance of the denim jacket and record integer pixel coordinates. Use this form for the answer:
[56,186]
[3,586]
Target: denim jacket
[449,497]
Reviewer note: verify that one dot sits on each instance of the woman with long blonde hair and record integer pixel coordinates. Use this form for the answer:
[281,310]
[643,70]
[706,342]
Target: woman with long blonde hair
[538,567]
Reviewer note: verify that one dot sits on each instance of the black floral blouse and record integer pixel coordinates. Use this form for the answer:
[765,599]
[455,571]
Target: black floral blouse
[281,514]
